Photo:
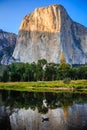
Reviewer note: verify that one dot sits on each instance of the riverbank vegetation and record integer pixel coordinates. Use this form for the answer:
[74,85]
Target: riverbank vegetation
[44,86]
[42,71]
[43,76]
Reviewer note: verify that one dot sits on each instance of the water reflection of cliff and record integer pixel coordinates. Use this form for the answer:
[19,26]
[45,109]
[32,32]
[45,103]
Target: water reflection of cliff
[77,116]
[32,120]
[42,111]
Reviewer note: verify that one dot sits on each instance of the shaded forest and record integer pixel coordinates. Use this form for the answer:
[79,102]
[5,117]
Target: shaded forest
[41,71]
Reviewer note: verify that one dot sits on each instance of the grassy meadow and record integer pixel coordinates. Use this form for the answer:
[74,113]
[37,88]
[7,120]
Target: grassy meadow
[73,85]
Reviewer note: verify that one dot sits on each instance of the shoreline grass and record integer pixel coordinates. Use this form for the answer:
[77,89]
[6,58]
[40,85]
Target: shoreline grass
[74,85]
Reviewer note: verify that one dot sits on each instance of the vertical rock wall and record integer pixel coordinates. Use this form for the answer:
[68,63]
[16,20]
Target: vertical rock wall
[46,33]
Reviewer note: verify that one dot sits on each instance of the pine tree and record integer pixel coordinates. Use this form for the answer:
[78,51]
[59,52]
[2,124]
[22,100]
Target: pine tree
[62,59]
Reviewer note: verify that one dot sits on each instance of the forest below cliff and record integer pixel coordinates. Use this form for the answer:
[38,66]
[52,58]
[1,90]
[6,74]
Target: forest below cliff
[41,71]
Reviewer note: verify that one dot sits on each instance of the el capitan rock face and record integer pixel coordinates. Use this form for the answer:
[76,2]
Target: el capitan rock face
[46,33]
[7,45]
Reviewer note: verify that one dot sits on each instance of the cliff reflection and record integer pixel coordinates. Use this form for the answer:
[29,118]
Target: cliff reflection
[32,120]
[42,111]
[77,116]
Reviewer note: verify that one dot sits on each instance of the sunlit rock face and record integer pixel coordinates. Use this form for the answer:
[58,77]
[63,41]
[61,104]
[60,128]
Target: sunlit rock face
[7,45]
[46,33]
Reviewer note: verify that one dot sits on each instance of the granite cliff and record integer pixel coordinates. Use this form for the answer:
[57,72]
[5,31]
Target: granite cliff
[47,33]
[7,45]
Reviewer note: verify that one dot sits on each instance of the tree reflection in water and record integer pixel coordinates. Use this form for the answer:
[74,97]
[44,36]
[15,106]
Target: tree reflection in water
[42,111]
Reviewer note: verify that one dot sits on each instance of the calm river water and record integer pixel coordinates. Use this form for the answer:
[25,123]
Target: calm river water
[42,111]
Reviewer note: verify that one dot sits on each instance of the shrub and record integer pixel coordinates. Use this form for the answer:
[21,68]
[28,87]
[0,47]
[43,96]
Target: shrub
[66,80]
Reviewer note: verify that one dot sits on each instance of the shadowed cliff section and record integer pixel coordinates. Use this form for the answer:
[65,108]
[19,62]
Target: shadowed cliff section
[49,31]
[7,45]
[36,45]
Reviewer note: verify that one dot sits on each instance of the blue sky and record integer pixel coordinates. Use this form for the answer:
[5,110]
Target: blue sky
[13,11]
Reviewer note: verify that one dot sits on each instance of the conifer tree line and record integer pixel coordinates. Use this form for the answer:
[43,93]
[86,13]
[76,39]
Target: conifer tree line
[42,71]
